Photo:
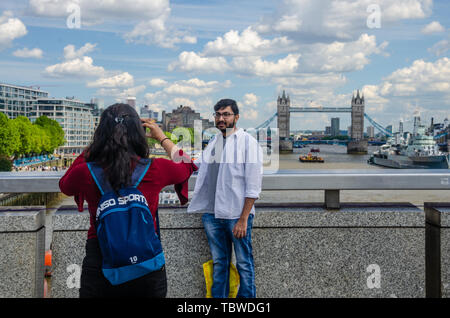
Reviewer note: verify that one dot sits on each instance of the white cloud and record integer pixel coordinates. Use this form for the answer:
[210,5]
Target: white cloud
[194,87]
[192,62]
[246,43]
[375,102]
[133,91]
[243,65]
[250,99]
[256,66]
[121,80]
[149,18]
[441,47]
[250,114]
[328,80]
[71,53]
[10,29]
[341,56]
[154,97]
[155,31]
[155,107]
[420,78]
[120,95]
[329,20]
[394,10]
[248,107]
[177,101]
[27,53]
[433,27]
[182,92]
[76,64]
[98,11]
[158,82]
[248,48]
[426,85]
[79,67]
[288,23]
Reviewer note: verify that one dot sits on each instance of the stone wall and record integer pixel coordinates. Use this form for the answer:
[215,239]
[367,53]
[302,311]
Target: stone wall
[438,249]
[365,250]
[22,252]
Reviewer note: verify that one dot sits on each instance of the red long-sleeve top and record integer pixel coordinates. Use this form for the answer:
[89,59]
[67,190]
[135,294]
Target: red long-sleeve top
[78,182]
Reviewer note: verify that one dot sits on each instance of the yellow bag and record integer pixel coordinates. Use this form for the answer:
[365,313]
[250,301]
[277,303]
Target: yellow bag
[234,279]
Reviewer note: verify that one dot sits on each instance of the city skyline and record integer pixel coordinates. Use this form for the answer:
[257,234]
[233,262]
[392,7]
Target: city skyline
[192,53]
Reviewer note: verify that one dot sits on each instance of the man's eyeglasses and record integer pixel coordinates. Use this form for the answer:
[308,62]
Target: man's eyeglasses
[225,115]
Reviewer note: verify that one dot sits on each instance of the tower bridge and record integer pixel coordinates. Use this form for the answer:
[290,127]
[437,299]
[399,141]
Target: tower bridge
[356,144]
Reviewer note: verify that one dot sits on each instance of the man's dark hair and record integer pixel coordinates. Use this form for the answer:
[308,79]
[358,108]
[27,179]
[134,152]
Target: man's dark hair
[227,102]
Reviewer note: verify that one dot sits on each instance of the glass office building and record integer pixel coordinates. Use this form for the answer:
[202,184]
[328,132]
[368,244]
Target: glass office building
[17,100]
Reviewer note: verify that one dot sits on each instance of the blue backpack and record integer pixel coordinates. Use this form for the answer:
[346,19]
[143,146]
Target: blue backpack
[130,246]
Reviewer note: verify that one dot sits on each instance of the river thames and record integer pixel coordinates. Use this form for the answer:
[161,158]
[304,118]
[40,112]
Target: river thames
[336,158]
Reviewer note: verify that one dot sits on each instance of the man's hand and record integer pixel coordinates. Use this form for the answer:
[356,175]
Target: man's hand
[240,228]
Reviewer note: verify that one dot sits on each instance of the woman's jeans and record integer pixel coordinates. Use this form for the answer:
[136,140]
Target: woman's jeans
[220,238]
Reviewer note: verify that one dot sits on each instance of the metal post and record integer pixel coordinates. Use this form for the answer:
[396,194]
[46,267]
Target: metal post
[332,199]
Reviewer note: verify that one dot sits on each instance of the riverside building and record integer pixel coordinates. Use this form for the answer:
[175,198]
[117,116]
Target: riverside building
[17,100]
[75,117]
[78,119]
[183,116]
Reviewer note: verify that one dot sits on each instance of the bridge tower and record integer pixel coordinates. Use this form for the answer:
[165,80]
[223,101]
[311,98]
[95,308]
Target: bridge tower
[283,122]
[357,144]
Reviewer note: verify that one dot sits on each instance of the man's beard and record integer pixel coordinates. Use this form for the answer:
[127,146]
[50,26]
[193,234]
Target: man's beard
[224,130]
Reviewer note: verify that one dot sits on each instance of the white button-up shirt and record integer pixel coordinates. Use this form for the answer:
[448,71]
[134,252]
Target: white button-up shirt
[239,176]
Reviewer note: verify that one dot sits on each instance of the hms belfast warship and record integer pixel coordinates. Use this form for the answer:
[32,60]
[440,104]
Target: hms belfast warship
[418,152]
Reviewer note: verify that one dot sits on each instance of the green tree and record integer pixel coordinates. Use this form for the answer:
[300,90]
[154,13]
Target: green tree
[9,137]
[5,164]
[24,128]
[171,136]
[54,131]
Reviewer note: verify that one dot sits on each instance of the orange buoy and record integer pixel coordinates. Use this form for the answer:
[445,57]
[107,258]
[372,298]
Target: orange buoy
[48,258]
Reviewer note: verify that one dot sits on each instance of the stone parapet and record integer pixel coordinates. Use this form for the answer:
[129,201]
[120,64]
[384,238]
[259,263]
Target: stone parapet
[361,250]
[22,250]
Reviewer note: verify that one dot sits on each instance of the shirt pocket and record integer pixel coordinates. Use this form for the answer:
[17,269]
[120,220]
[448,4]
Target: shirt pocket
[236,170]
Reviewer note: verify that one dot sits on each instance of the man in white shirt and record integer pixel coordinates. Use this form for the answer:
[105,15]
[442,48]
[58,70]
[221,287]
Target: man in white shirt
[228,183]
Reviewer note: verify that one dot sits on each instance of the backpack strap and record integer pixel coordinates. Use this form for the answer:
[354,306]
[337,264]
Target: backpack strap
[104,186]
[99,177]
[139,171]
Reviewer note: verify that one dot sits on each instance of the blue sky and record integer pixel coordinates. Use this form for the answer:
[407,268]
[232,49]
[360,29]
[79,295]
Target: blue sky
[168,53]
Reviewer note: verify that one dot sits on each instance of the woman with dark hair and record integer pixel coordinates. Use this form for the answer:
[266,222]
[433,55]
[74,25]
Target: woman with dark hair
[119,143]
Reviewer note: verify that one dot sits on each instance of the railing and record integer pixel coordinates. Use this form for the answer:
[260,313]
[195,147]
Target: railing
[330,181]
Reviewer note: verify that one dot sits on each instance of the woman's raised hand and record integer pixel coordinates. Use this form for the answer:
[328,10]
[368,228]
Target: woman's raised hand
[155,131]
